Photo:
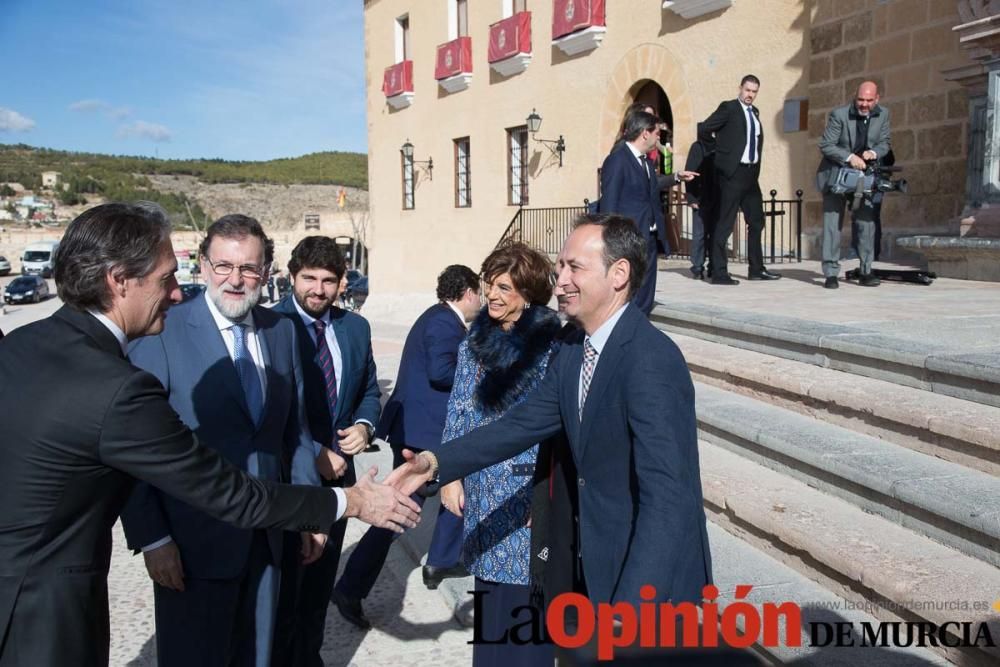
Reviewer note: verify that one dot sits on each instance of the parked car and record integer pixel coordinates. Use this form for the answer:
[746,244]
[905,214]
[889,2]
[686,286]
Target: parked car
[356,292]
[26,288]
[190,290]
[4,266]
[39,258]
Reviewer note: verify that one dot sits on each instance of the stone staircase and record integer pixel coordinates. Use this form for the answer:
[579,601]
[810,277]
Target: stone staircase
[850,471]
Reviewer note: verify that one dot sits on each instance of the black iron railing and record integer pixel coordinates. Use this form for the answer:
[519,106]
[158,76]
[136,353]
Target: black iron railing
[547,228]
[543,228]
[781,239]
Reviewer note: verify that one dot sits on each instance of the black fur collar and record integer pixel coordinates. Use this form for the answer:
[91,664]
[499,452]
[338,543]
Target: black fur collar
[507,355]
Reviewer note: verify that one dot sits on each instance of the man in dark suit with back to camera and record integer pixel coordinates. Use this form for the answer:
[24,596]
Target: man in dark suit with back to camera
[414,418]
[700,194]
[629,187]
[855,133]
[342,407]
[233,374]
[82,424]
[739,142]
[622,392]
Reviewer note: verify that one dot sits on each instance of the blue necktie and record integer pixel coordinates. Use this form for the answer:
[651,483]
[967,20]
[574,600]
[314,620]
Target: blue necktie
[752,141]
[247,372]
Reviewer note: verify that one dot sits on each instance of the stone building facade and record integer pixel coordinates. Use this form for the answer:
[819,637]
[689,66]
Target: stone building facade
[442,88]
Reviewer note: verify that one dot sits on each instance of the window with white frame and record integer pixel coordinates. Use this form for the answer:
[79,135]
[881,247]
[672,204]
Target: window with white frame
[511,7]
[458,19]
[517,166]
[408,181]
[402,38]
[463,173]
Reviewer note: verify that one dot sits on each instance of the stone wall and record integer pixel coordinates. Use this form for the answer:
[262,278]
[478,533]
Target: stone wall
[903,45]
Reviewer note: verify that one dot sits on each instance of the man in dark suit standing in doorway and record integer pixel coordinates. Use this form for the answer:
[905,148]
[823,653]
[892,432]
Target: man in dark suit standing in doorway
[739,139]
[414,418]
[629,187]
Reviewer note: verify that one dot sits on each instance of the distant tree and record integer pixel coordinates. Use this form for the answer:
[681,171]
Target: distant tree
[7,191]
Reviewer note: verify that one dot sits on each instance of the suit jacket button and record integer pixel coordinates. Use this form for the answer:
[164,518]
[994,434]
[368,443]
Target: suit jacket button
[581,481]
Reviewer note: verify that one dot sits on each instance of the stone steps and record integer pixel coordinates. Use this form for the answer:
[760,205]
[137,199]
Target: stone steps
[845,553]
[952,429]
[954,505]
[930,367]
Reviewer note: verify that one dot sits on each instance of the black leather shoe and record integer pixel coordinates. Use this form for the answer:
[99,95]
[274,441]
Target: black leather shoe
[831,282]
[697,274]
[869,280]
[764,275]
[725,280]
[435,575]
[351,610]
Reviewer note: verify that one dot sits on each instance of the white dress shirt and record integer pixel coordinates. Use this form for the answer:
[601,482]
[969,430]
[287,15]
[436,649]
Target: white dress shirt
[252,340]
[599,339]
[461,317]
[113,328]
[745,158]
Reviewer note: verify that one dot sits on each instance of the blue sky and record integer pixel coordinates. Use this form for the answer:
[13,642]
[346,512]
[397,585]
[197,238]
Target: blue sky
[249,80]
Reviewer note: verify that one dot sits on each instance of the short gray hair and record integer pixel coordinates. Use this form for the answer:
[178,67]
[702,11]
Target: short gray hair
[124,238]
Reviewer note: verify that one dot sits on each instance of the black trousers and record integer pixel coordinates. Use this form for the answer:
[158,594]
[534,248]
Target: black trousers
[739,192]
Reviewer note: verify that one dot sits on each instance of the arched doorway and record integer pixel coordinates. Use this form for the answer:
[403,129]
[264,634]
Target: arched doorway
[650,92]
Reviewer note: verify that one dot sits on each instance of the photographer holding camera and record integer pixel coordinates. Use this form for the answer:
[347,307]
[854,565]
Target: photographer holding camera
[855,135]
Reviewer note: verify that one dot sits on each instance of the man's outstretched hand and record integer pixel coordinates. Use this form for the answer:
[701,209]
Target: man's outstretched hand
[380,504]
[412,475]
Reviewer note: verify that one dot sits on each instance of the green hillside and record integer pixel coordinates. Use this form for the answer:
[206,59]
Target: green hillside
[25,164]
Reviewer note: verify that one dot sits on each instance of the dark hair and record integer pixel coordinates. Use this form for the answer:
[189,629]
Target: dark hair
[529,269]
[751,79]
[636,122]
[621,241]
[124,238]
[454,280]
[632,109]
[237,226]
[318,252]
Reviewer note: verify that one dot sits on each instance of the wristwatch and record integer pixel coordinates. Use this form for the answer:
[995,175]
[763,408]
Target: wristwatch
[369,432]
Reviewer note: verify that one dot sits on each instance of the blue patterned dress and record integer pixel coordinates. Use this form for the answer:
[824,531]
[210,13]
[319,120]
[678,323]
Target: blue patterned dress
[498,501]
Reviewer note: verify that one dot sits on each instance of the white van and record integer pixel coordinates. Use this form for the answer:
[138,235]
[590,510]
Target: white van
[38,258]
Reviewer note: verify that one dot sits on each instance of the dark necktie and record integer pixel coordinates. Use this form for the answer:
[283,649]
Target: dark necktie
[752,141]
[247,372]
[325,359]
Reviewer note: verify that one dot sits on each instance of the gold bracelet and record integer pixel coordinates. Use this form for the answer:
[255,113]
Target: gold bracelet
[433,460]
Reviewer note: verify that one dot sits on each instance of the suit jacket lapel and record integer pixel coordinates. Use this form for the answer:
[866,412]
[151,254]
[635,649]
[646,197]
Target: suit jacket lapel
[212,349]
[268,352]
[571,393]
[608,364]
[851,131]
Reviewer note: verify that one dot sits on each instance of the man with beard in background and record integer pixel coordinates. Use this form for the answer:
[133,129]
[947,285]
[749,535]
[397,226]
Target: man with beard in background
[342,407]
[232,372]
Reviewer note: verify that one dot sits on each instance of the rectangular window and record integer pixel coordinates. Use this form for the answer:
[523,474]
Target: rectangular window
[517,166]
[312,221]
[463,174]
[402,34]
[511,7]
[463,18]
[408,182]
[520,6]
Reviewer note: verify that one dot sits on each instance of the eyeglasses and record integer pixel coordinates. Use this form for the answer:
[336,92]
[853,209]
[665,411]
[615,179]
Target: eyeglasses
[225,269]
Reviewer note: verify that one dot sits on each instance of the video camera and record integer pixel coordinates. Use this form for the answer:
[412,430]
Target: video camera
[874,178]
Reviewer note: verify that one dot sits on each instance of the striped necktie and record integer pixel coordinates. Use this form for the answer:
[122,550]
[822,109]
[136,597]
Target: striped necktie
[325,359]
[246,369]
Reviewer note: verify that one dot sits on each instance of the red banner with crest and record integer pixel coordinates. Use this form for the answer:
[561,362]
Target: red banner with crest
[454,57]
[572,15]
[510,37]
[398,79]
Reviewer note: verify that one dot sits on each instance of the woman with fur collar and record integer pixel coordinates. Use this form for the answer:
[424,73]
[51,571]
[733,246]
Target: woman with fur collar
[503,358]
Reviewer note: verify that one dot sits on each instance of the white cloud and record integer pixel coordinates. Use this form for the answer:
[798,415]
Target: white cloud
[12,121]
[100,106]
[143,130]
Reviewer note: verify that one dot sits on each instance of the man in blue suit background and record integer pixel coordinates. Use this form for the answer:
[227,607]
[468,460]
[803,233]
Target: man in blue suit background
[414,418]
[621,392]
[233,374]
[630,188]
[342,405]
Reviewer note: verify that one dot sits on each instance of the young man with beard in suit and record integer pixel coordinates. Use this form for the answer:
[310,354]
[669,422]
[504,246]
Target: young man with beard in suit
[620,392]
[83,424]
[739,142]
[414,418]
[342,407]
